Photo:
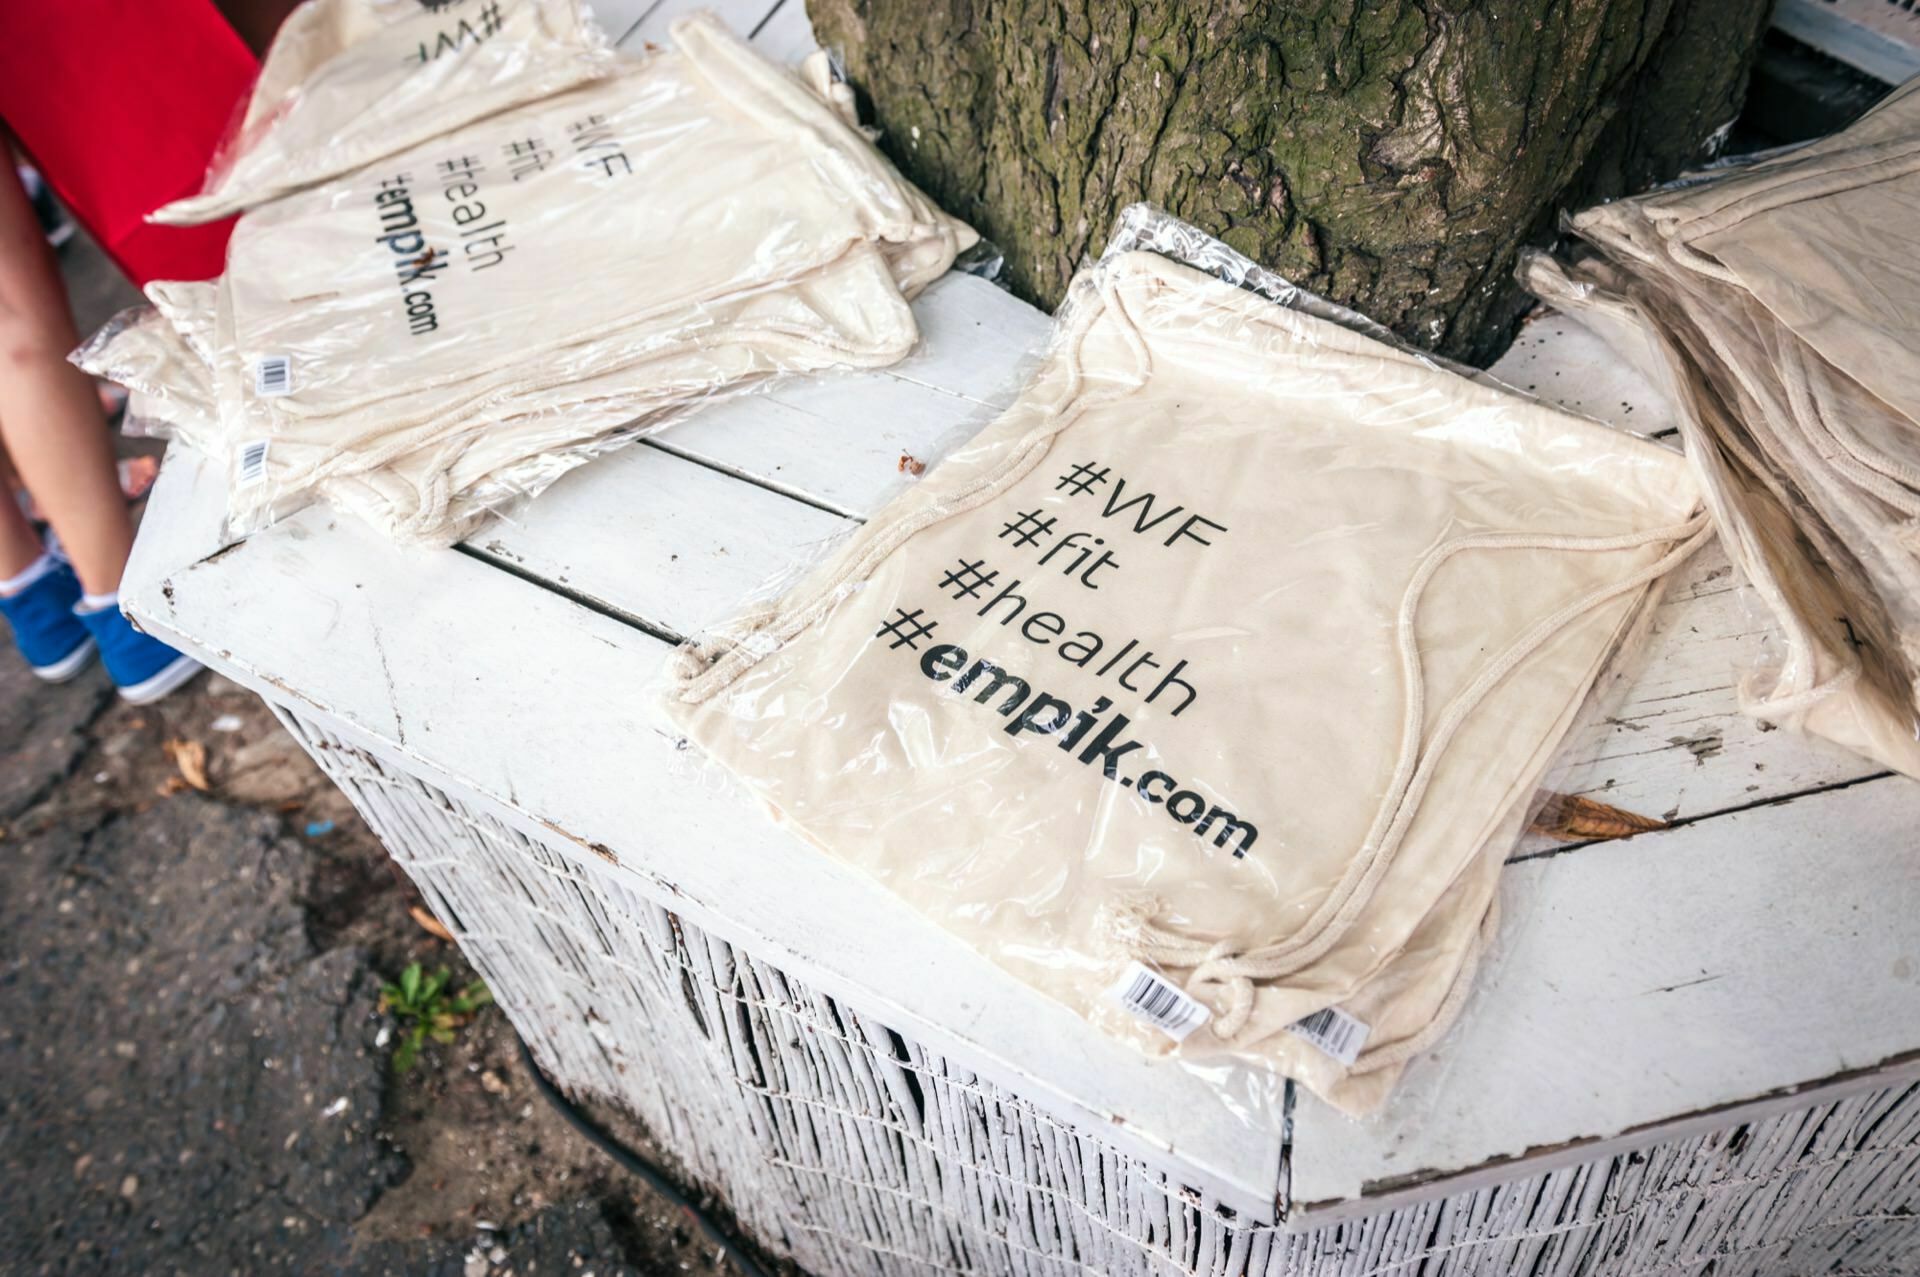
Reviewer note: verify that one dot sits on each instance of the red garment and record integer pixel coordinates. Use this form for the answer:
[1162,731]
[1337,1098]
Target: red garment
[120,104]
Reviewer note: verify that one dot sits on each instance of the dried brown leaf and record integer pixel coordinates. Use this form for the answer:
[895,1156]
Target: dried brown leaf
[170,786]
[428,923]
[1571,818]
[910,464]
[190,756]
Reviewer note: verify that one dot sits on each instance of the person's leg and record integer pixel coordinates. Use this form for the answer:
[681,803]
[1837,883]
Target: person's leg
[51,423]
[50,417]
[38,592]
[20,545]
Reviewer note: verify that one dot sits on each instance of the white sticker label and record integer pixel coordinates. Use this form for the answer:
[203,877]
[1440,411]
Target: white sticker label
[253,463]
[1160,1002]
[1335,1032]
[273,375]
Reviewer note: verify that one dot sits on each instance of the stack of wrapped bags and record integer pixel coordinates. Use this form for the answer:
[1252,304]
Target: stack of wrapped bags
[1779,304]
[479,246]
[1208,688]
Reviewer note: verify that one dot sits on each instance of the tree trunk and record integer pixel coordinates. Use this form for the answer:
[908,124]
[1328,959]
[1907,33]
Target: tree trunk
[1392,154]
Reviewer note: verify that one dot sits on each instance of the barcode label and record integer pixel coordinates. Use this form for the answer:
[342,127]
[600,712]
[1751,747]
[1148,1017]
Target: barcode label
[273,375]
[1333,1031]
[253,463]
[1160,1002]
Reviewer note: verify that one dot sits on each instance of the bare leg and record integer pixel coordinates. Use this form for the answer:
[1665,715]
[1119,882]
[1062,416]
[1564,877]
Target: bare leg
[50,418]
[19,543]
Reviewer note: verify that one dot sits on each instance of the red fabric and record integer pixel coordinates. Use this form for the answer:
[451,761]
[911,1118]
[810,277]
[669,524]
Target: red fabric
[120,104]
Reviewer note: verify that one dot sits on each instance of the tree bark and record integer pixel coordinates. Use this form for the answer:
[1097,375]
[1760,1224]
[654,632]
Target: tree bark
[1391,154]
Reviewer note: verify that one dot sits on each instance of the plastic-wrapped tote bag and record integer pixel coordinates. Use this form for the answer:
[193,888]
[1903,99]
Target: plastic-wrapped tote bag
[459,322]
[1206,689]
[348,82]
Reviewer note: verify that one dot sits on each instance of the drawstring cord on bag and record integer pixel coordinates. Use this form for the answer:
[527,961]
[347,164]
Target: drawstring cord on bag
[1840,445]
[1717,428]
[1680,225]
[1801,437]
[1217,962]
[1891,480]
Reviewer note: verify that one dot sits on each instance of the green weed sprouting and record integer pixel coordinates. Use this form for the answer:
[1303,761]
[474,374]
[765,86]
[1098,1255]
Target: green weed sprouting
[428,1011]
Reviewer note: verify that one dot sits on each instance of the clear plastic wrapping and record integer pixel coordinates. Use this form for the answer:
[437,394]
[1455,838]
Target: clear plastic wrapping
[169,382]
[1207,689]
[1779,304]
[456,324]
[349,82]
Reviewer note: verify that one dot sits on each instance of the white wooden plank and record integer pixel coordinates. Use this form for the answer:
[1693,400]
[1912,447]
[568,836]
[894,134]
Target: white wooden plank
[1672,977]
[514,697]
[739,16]
[785,35]
[1676,746]
[980,342]
[648,533]
[778,28]
[682,552]
[1564,362]
[690,545]
[185,519]
[837,440]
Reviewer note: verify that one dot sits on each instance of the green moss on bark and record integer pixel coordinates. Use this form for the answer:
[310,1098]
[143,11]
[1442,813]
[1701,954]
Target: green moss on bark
[1393,154]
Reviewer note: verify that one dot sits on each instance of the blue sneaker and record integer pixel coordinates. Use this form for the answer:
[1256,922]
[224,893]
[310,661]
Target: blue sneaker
[143,668]
[45,630]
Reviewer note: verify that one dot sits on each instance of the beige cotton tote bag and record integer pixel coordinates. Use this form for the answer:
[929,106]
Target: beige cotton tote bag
[348,82]
[1231,654]
[700,208]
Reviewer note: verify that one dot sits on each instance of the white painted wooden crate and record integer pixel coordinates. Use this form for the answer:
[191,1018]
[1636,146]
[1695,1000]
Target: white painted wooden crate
[852,1149]
[1692,1052]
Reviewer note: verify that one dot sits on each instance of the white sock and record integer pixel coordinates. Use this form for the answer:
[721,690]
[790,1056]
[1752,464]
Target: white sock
[33,572]
[99,602]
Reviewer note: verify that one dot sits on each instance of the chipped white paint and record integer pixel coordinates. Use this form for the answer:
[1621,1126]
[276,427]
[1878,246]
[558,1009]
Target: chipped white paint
[1764,945]
[1692,1049]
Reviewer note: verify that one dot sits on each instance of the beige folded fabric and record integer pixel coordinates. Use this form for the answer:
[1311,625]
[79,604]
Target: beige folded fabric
[497,451]
[1780,304]
[1236,647]
[1824,680]
[348,82]
[479,463]
[1826,239]
[466,319]
[145,349]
